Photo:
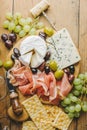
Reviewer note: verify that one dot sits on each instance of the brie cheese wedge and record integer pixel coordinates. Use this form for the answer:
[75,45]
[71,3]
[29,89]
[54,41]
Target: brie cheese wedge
[33,50]
[35,43]
[36,60]
[26,59]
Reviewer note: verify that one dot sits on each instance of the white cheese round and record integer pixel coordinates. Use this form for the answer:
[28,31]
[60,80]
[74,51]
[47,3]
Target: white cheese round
[33,44]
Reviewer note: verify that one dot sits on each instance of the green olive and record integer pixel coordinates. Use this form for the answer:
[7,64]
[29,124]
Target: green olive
[53,65]
[8,64]
[58,74]
[49,31]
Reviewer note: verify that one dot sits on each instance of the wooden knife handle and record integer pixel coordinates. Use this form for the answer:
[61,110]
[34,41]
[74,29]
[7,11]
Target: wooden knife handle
[16,105]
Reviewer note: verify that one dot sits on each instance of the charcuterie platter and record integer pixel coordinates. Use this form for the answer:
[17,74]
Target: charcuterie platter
[28,64]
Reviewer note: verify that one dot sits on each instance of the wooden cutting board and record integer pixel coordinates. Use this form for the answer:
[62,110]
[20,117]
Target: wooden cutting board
[17,45]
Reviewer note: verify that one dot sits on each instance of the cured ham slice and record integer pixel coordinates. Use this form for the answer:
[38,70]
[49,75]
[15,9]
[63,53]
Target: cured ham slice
[42,84]
[64,86]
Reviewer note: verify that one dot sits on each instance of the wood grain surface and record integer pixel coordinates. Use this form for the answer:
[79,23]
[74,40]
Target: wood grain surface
[71,14]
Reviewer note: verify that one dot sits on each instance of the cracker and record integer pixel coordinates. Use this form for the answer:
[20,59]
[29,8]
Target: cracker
[29,125]
[42,121]
[33,105]
[62,121]
[38,113]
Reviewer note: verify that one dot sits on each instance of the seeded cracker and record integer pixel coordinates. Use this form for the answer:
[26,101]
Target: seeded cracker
[38,113]
[62,121]
[29,125]
[33,105]
[58,118]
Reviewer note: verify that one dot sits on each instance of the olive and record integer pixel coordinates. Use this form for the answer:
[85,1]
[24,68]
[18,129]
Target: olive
[13,57]
[72,69]
[4,37]
[12,37]
[42,35]
[8,64]
[48,54]
[67,71]
[34,70]
[16,52]
[71,78]
[47,69]
[8,44]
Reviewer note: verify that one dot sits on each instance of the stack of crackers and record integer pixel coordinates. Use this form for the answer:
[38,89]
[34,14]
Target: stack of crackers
[44,117]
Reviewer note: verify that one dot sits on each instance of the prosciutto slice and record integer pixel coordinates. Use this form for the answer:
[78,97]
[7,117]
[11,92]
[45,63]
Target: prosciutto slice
[64,86]
[42,84]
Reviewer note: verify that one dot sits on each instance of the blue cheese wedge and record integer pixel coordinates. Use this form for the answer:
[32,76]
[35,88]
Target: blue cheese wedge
[63,50]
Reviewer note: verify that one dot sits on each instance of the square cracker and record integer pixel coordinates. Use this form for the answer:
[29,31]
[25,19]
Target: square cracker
[33,105]
[62,121]
[42,121]
[29,125]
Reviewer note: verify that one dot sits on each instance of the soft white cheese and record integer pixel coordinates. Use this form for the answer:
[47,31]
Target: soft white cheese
[26,59]
[35,43]
[39,48]
[36,60]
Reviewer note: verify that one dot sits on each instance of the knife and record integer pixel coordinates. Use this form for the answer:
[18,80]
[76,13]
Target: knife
[14,98]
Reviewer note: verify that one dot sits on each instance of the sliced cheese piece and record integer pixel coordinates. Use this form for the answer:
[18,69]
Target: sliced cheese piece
[36,60]
[33,43]
[63,50]
[26,59]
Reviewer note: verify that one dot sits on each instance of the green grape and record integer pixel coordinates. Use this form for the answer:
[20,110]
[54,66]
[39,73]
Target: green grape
[63,104]
[66,109]
[6,24]
[32,31]
[79,101]
[81,76]
[84,107]
[70,95]
[11,26]
[17,15]
[17,29]
[9,16]
[67,101]
[53,65]
[22,33]
[83,90]
[76,92]
[74,98]
[16,21]
[29,20]
[78,108]
[71,109]
[71,115]
[39,25]
[77,81]
[26,28]
[78,87]
[59,74]
[22,21]
[76,114]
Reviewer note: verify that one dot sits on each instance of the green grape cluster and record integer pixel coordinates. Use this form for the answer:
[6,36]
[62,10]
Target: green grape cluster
[22,26]
[75,101]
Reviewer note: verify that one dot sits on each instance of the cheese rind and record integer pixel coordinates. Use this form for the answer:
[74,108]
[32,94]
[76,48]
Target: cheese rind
[63,50]
[26,59]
